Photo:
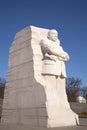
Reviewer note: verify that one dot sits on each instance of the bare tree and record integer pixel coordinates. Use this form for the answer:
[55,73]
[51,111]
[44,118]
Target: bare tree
[2,86]
[73,85]
[84,89]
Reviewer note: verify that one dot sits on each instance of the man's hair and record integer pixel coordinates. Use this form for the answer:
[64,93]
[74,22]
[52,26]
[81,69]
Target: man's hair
[52,31]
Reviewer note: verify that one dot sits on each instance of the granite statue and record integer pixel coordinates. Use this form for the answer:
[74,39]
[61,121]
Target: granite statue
[35,91]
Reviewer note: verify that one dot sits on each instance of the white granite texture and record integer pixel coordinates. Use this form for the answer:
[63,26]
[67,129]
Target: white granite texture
[32,97]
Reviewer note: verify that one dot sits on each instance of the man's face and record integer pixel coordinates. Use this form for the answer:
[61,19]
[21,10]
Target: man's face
[53,36]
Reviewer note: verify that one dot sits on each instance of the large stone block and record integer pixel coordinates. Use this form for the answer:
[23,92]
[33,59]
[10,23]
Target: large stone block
[31,97]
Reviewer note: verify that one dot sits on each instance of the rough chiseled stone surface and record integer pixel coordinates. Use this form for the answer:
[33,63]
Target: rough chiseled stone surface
[30,98]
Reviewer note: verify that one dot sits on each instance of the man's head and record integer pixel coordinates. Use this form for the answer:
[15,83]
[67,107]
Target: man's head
[53,35]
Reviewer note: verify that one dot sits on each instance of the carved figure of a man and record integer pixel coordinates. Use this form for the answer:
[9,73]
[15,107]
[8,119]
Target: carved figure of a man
[53,55]
[53,69]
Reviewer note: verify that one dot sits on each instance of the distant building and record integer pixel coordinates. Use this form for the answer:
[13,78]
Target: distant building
[80,99]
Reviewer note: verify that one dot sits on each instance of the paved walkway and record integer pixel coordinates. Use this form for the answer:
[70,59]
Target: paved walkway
[82,126]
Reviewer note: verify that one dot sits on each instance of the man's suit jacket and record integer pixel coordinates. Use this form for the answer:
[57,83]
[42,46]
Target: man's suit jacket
[53,63]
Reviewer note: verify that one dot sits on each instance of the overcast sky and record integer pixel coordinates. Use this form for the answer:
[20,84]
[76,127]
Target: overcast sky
[68,17]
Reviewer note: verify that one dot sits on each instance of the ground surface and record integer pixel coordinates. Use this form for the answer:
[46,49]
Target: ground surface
[82,126]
